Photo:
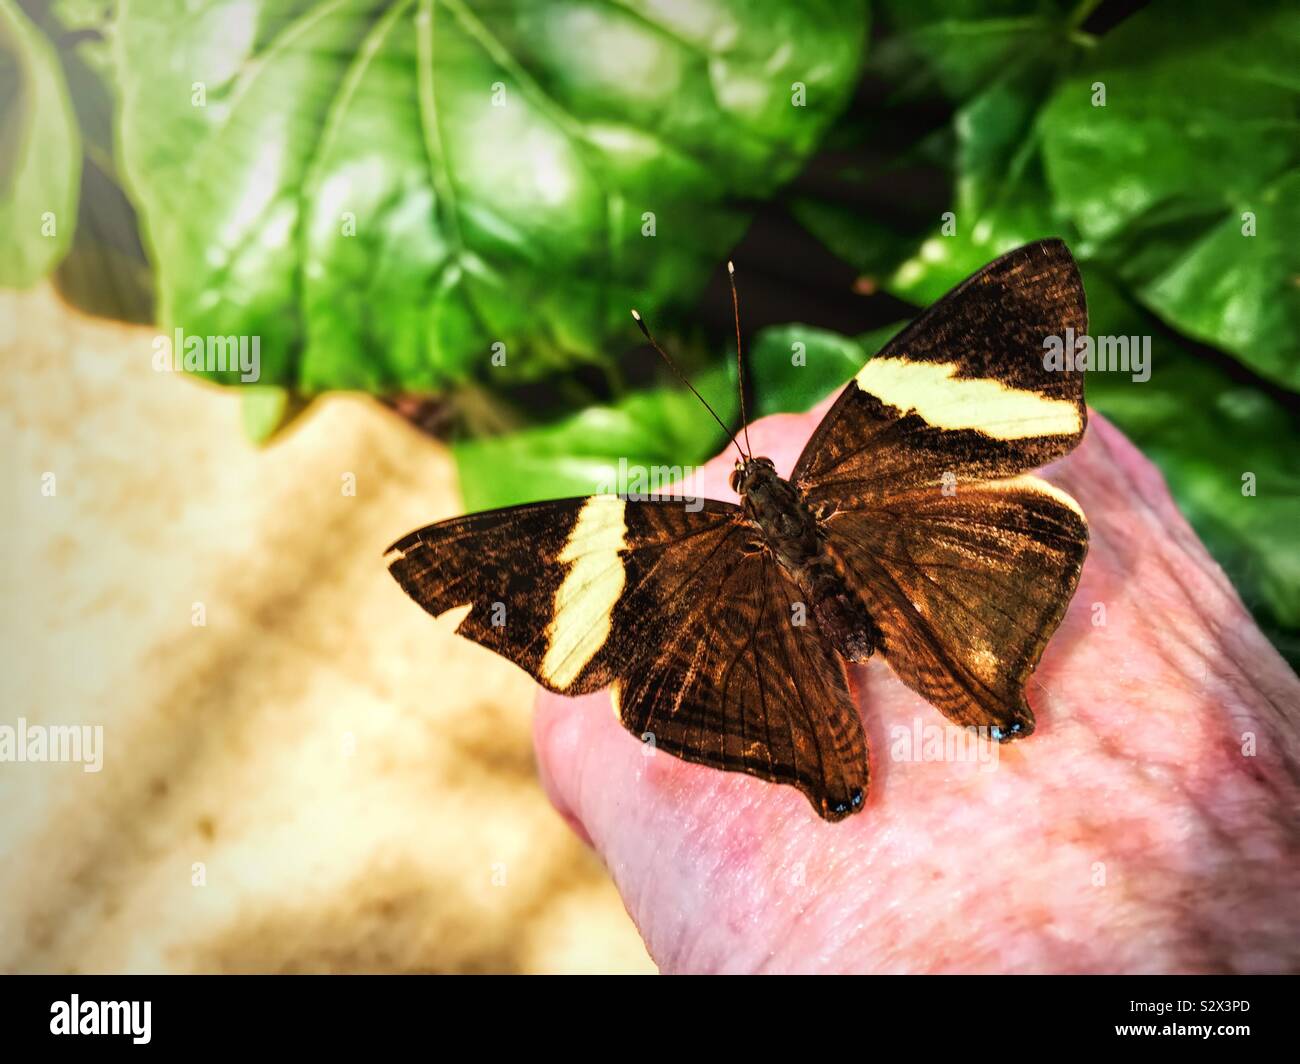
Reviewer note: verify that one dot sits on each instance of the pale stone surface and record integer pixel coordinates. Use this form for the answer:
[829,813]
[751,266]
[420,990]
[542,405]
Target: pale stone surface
[350,774]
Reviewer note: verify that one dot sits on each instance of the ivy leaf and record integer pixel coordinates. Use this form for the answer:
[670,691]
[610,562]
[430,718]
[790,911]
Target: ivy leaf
[40,152]
[383,190]
[1197,145]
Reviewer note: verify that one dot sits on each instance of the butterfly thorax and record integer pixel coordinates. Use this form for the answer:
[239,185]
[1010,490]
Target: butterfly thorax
[792,531]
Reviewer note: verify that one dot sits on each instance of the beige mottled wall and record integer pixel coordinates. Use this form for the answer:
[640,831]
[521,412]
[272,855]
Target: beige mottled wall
[348,773]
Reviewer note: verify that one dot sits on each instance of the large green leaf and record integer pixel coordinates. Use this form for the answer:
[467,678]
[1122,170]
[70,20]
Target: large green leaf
[40,152]
[497,161]
[1200,130]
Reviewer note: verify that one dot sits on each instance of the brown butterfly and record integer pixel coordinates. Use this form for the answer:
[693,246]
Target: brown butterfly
[908,528]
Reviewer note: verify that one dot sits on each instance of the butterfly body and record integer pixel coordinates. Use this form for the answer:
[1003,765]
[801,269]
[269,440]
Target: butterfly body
[792,530]
[908,528]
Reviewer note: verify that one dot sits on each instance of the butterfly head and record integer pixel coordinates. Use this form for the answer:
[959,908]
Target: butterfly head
[750,472]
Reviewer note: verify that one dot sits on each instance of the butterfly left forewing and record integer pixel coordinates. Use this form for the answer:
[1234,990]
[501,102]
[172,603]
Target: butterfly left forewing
[706,643]
[570,589]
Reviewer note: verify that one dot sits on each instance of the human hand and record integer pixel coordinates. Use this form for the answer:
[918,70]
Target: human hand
[1150,824]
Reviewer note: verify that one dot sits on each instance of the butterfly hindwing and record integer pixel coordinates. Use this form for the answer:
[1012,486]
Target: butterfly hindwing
[674,604]
[748,683]
[967,590]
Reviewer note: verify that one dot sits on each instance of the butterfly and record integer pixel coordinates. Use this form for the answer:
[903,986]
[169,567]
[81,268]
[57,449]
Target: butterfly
[908,528]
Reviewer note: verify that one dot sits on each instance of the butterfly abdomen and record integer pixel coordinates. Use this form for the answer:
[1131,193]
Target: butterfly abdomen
[843,616]
[793,533]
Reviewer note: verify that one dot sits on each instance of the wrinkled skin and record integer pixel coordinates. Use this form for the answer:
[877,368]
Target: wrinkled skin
[1130,833]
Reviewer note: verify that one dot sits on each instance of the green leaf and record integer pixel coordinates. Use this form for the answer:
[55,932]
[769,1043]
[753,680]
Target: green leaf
[875,247]
[382,191]
[1008,55]
[657,427]
[793,367]
[991,61]
[105,271]
[40,153]
[956,47]
[1200,130]
[979,236]
[1002,200]
[1238,292]
[1207,431]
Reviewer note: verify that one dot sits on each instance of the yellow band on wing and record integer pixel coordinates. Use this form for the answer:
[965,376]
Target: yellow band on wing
[934,392]
[585,601]
[1028,483]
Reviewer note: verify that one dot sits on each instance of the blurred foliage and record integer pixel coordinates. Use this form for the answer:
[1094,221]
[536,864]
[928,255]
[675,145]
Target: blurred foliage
[391,192]
[40,153]
[793,367]
[1199,140]
[99,264]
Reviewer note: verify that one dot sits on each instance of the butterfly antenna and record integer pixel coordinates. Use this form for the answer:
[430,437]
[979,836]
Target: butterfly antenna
[682,377]
[740,364]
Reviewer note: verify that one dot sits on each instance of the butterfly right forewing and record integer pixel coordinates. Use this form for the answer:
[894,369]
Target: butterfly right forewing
[965,563]
[964,393]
